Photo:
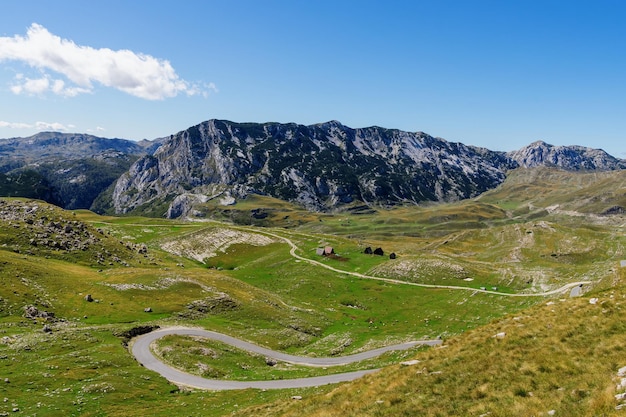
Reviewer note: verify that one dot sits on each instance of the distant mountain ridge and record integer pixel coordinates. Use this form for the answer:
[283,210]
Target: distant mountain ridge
[67,145]
[567,157]
[321,167]
[66,169]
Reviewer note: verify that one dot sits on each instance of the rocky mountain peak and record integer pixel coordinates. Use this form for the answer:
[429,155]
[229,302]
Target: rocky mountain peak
[320,166]
[540,153]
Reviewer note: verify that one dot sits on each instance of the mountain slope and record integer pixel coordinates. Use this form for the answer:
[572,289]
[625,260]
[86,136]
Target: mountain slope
[47,145]
[541,362]
[325,166]
[320,166]
[553,190]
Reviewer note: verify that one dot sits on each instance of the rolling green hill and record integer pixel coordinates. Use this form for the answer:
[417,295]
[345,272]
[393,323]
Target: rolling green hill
[535,354]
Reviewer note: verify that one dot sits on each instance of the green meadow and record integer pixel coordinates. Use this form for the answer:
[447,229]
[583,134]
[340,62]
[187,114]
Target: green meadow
[233,273]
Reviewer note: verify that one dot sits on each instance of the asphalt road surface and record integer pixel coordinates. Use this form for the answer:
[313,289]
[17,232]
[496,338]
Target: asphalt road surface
[141,350]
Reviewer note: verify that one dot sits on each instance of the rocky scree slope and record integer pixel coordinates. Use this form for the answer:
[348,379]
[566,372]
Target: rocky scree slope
[324,166]
[38,229]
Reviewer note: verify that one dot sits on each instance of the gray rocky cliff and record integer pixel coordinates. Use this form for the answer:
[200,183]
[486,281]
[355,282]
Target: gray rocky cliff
[321,167]
[325,166]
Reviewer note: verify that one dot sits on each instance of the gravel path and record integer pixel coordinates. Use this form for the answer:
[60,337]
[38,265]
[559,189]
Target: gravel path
[293,253]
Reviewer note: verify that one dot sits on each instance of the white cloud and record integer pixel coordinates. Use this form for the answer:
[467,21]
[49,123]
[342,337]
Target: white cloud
[28,85]
[209,87]
[56,126]
[45,84]
[13,125]
[137,74]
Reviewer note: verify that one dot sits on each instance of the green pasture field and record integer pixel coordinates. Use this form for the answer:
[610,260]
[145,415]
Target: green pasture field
[505,239]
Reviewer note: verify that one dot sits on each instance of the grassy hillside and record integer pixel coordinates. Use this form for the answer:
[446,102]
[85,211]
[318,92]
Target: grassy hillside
[61,354]
[562,357]
[530,190]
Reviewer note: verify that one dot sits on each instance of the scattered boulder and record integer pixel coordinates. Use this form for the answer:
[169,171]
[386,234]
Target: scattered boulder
[147,310]
[296,397]
[89,298]
[379,252]
[368,251]
[393,255]
[32,312]
[270,361]
[47,329]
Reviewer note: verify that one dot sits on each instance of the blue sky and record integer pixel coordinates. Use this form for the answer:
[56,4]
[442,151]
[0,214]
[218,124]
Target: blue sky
[499,74]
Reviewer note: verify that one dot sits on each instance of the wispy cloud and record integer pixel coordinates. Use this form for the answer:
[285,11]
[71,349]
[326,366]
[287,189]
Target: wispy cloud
[45,84]
[14,125]
[137,74]
[56,126]
[97,129]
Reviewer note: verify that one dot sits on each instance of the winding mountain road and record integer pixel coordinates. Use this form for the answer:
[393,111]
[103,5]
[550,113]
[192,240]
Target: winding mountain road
[140,348]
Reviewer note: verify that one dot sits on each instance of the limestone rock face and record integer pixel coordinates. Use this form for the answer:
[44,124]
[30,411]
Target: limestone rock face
[320,167]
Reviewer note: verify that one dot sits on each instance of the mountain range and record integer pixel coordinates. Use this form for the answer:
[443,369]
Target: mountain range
[69,170]
[321,167]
